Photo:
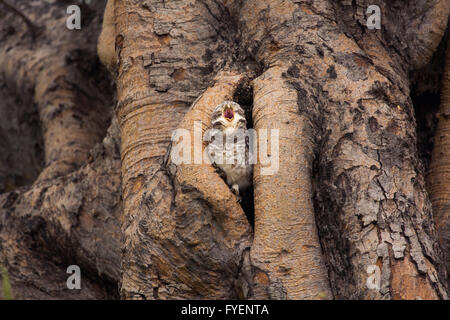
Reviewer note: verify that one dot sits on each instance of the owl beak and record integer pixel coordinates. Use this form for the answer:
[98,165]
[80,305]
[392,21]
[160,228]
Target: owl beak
[228,114]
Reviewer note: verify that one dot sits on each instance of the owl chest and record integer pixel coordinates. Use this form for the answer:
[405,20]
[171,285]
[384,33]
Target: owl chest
[234,172]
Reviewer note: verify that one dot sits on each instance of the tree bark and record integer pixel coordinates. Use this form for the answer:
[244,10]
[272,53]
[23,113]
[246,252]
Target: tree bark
[439,175]
[352,97]
[70,214]
[346,215]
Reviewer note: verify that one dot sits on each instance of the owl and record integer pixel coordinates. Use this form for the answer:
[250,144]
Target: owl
[229,147]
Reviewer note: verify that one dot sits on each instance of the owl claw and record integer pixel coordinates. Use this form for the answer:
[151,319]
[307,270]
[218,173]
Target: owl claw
[235,189]
[238,198]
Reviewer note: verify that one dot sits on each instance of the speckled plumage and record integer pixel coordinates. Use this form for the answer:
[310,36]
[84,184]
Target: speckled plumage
[229,119]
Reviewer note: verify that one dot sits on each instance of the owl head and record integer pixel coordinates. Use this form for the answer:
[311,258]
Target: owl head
[228,114]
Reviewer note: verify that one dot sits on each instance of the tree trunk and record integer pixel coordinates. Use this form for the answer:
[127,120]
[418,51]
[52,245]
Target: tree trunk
[345,215]
[70,215]
[439,177]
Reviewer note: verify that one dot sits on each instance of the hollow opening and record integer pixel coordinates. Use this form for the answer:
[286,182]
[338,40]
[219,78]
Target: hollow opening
[244,97]
[426,106]
[426,84]
[21,141]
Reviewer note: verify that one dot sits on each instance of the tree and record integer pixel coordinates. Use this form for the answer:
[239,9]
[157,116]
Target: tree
[346,215]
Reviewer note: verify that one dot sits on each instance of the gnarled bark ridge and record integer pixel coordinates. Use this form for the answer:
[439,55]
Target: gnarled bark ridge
[339,95]
[439,175]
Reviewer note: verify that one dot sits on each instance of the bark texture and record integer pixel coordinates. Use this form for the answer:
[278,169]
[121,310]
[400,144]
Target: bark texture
[439,175]
[346,93]
[345,216]
[70,214]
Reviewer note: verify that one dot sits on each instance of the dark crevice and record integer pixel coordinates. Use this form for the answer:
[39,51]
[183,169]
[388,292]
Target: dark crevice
[244,97]
[21,141]
[45,244]
[336,248]
[426,106]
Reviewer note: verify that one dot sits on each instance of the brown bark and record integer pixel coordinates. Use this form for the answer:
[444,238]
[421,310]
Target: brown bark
[439,175]
[73,117]
[71,220]
[349,195]
[354,98]
[286,244]
[187,252]
[70,214]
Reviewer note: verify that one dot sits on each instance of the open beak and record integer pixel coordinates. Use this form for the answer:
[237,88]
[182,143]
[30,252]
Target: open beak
[228,114]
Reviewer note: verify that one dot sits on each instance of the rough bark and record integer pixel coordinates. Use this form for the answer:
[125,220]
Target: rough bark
[73,117]
[439,175]
[70,220]
[286,244]
[70,215]
[349,195]
[21,145]
[352,96]
[163,66]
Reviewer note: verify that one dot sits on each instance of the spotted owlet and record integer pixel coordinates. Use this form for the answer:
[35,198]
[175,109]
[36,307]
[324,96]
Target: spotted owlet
[229,147]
